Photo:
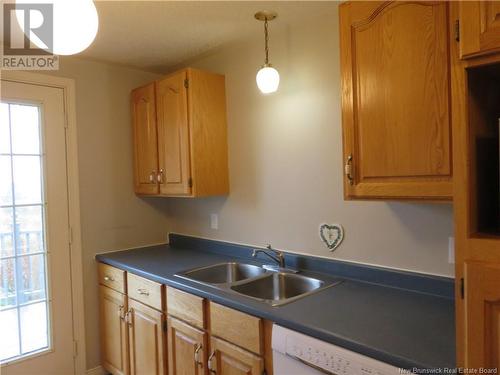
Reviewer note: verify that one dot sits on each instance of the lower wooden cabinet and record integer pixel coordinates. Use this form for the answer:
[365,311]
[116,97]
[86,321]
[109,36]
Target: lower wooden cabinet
[113,306]
[187,352]
[228,359]
[482,295]
[147,342]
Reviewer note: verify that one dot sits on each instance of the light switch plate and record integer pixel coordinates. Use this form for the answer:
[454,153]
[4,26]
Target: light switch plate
[214,221]
[451,250]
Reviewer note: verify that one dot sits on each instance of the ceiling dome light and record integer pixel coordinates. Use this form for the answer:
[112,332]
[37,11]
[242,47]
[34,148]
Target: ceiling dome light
[75,25]
[268,78]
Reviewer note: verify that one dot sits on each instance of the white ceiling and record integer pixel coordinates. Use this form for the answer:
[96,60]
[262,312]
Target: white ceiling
[156,35]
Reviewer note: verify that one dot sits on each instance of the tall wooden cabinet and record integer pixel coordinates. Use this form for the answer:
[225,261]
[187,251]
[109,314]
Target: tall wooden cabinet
[475,87]
[180,135]
[396,100]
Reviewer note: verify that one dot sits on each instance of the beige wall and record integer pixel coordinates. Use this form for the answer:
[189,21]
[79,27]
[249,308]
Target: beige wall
[112,216]
[286,163]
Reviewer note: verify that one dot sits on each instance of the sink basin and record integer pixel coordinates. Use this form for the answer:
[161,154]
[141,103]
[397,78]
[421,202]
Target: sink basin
[280,288]
[223,273]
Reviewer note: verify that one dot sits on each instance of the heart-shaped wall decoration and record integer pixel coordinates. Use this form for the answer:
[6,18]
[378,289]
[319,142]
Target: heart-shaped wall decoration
[332,235]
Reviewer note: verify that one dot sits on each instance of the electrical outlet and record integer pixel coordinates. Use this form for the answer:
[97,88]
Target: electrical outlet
[451,250]
[214,221]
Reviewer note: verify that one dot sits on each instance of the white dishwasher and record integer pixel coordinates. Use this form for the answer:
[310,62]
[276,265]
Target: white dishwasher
[298,354]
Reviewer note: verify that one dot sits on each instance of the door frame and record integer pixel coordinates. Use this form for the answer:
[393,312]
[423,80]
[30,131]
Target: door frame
[75,246]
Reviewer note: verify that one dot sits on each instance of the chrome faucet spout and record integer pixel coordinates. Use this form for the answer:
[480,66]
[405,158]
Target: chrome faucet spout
[277,255]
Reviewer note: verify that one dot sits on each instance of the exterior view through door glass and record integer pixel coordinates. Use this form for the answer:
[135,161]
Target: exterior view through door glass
[35,282]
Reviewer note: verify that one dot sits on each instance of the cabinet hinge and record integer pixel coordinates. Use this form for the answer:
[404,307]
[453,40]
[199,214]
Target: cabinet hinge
[457,30]
[70,235]
[462,288]
[186,83]
[165,326]
[75,348]
[190,182]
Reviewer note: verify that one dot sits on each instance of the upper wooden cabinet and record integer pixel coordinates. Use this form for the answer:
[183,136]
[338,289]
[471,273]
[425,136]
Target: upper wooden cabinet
[180,135]
[396,100]
[479,25]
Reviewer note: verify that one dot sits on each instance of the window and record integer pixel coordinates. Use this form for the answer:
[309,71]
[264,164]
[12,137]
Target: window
[24,303]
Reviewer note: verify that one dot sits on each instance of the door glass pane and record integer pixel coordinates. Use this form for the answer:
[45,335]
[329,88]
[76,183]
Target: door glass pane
[23,270]
[27,187]
[34,327]
[25,130]
[4,129]
[6,178]
[7,283]
[6,232]
[29,229]
[31,278]
[9,344]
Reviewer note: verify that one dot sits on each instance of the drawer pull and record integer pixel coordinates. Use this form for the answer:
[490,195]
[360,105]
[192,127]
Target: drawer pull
[108,278]
[143,292]
[211,367]
[197,354]
[120,312]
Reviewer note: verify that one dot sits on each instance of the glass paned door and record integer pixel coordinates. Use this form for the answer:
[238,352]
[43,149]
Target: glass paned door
[36,301]
[24,315]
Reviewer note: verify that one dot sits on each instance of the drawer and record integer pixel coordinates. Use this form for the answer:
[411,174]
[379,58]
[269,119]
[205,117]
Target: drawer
[146,291]
[112,277]
[186,306]
[236,327]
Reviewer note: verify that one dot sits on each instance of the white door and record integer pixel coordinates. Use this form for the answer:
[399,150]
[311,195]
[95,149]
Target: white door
[36,328]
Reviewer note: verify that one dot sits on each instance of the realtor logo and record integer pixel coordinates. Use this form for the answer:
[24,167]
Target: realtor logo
[28,49]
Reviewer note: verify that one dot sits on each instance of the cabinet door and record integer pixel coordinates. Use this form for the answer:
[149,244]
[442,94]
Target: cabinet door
[479,27]
[482,282]
[146,340]
[396,99]
[114,345]
[228,359]
[186,349]
[145,140]
[173,135]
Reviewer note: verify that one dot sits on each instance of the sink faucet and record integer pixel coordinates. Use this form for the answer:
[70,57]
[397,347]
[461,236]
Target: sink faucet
[278,256]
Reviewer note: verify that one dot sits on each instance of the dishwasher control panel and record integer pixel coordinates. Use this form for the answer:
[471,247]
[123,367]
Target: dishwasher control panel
[322,357]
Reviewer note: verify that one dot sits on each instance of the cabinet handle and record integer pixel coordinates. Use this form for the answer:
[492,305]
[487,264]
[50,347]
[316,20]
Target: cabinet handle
[197,354]
[128,317]
[143,292]
[348,170]
[159,176]
[108,278]
[120,312]
[210,365]
[152,177]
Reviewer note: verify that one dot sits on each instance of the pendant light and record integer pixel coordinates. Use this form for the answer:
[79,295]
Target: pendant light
[268,78]
[75,24]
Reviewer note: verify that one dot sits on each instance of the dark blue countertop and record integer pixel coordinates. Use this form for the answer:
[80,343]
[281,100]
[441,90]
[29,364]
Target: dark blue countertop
[408,325]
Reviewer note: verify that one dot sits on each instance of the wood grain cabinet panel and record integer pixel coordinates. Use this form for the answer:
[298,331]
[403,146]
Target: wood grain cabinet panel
[147,342]
[228,359]
[146,291]
[187,349]
[112,277]
[483,315]
[479,28]
[114,338]
[237,327]
[143,105]
[186,307]
[173,134]
[396,100]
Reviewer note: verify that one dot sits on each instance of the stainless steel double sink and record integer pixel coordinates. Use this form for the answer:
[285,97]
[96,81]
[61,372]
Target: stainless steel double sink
[273,287]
